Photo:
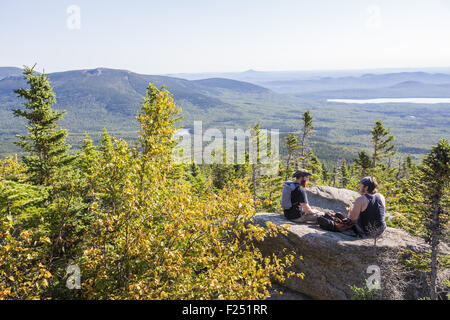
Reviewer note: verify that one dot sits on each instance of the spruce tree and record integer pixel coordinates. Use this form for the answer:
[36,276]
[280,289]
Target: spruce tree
[88,161]
[364,162]
[106,145]
[334,177]
[325,173]
[255,157]
[196,178]
[314,166]
[307,131]
[344,173]
[45,142]
[293,149]
[382,143]
[434,185]
[222,172]
[409,167]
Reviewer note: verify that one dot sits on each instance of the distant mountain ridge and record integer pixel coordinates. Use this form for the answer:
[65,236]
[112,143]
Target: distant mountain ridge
[239,86]
[9,71]
[122,89]
[367,81]
[405,89]
[315,84]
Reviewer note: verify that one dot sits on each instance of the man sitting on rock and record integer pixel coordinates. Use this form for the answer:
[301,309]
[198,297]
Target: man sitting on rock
[300,211]
[368,210]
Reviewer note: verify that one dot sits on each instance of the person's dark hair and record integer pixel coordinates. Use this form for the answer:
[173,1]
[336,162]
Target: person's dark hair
[371,184]
[301,173]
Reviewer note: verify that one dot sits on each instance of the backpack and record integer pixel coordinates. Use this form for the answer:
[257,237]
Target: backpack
[337,222]
[288,187]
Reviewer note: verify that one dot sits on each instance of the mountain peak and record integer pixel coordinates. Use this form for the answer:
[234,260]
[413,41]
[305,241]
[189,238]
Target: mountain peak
[250,71]
[94,72]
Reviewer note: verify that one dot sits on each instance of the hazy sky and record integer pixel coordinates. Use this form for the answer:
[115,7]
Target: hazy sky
[169,36]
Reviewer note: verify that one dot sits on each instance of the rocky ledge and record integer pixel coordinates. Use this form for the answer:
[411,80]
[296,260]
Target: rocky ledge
[332,262]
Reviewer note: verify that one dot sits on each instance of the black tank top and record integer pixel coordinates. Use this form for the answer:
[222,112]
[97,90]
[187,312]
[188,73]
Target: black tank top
[371,220]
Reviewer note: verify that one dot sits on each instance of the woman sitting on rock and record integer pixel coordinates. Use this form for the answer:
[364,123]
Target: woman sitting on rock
[368,210]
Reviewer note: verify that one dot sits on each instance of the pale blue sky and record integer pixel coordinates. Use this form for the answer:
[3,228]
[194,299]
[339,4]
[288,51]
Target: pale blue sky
[172,36]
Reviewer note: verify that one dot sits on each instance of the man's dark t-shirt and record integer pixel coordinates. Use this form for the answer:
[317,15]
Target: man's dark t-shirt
[297,196]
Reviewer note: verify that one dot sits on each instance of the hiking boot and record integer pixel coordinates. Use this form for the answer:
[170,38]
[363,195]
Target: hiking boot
[307,218]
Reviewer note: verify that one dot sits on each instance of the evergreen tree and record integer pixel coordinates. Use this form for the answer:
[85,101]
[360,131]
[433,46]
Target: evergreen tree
[334,176]
[409,167]
[62,215]
[88,160]
[325,174]
[314,166]
[243,170]
[45,142]
[89,155]
[255,158]
[344,174]
[106,143]
[307,122]
[364,162]
[434,185]
[293,149]
[382,143]
[222,172]
[196,178]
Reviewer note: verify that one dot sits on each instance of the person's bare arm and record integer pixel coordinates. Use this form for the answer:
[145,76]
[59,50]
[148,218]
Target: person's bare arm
[306,208]
[355,210]
[383,200]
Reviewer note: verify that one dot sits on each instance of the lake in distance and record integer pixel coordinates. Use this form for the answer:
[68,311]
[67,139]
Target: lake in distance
[393,100]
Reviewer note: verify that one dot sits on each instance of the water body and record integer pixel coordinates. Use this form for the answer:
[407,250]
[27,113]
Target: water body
[393,100]
[183,132]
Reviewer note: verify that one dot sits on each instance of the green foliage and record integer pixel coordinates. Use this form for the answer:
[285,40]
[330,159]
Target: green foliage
[22,201]
[197,179]
[420,190]
[409,167]
[307,122]
[314,166]
[307,130]
[446,283]
[44,142]
[344,174]
[413,260]
[382,143]
[364,293]
[434,185]
[222,173]
[364,162]
[271,187]
[22,273]
[293,148]
[422,202]
[325,174]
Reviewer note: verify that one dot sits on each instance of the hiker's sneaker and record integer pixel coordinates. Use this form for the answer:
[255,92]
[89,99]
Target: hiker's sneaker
[307,218]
